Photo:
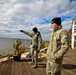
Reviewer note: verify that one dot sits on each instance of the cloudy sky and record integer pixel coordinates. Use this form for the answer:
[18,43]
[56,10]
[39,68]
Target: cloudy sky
[18,15]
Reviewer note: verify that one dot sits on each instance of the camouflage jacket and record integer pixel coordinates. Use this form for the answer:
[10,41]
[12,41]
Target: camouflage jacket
[36,39]
[58,45]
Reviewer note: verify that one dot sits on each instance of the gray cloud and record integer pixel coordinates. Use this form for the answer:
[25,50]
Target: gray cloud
[26,14]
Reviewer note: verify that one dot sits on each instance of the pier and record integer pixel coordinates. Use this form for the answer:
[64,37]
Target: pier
[11,67]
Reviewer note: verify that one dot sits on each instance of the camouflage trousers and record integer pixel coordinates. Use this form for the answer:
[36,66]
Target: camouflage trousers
[53,68]
[31,51]
[34,55]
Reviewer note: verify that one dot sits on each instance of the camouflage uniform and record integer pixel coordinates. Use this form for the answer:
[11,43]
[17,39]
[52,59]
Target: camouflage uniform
[36,43]
[57,48]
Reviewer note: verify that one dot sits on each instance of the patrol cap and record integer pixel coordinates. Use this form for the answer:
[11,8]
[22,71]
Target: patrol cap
[35,29]
[57,20]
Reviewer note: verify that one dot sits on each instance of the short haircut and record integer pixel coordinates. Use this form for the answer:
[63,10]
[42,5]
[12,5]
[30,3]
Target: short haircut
[35,29]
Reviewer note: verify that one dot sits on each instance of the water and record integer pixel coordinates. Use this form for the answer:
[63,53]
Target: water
[6,45]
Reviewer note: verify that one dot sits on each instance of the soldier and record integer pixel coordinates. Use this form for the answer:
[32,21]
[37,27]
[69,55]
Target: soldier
[58,46]
[36,43]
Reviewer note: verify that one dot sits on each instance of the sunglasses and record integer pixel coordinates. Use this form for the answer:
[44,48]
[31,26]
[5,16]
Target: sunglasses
[52,22]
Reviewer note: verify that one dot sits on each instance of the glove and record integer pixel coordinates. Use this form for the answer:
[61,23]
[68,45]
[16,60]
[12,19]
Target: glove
[21,31]
[38,51]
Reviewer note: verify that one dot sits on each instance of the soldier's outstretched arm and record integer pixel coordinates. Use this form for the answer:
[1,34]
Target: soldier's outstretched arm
[27,33]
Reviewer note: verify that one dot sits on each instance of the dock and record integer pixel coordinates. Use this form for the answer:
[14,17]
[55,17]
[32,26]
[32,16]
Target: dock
[11,67]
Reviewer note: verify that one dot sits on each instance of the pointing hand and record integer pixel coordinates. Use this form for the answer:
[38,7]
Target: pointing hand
[21,31]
